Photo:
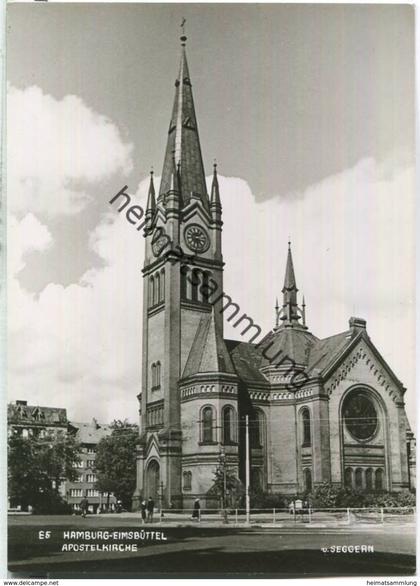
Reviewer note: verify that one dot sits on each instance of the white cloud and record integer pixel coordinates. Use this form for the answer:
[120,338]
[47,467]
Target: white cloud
[353,249]
[56,149]
[352,239]
[26,236]
[79,346]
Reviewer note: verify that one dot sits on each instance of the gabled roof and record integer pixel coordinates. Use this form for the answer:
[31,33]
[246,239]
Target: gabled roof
[317,357]
[91,433]
[353,340]
[326,350]
[208,353]
[21,412]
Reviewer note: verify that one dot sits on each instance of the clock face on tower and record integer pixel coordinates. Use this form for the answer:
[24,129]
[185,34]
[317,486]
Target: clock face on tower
[196,238]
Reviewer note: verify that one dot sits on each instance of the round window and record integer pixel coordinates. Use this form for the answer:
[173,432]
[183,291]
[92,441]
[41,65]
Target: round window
[360,415]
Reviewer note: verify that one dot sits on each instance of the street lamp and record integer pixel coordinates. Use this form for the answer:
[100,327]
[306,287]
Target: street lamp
[161,496]
[223,463]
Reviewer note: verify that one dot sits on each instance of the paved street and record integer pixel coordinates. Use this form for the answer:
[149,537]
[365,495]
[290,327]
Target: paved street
[275,551]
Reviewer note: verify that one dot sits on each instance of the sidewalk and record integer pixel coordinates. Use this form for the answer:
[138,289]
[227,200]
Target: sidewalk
[169,520]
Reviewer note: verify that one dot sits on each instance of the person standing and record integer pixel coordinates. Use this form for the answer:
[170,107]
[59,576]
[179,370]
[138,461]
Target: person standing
[84,505]
[150,509]
[196,510]
[143,508]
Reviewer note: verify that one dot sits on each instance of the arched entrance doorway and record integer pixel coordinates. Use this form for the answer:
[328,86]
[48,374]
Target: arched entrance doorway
[153,480]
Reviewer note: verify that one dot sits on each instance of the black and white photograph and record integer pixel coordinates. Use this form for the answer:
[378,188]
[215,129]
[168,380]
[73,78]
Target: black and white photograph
[210,291]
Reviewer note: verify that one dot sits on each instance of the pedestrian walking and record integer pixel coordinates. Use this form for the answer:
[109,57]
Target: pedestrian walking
[84,505]
[196,511]
[143,508]
[150,509]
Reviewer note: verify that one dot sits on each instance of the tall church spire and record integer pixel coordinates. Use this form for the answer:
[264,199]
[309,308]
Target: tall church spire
[183,141]
[215,195]
[151,201]
[290,313]
[289,288]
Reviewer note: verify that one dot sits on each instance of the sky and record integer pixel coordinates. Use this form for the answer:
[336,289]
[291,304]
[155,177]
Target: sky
[309,110]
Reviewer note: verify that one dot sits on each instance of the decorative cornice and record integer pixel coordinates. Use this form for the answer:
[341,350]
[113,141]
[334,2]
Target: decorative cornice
[283,395]
[259,396]
[364,354]
[208,378]
[214,390]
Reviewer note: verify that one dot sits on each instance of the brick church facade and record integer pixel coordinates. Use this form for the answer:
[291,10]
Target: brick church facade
[320,410]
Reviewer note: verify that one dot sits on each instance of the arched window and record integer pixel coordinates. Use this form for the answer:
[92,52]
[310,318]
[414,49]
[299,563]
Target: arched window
[348,478]
[369,479]
[379,479]
[157,381]
[184,281]
[162,285]
[256,429]
[187,477]
[228,422]
[307,476]
[195,283]
[153,375]
[157,288]
[358,478]
[306,428]
[205,291]
[151,291]
[207,424]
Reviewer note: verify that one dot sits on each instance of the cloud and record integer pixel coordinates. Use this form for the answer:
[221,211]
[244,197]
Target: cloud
[56,150]
[352,239]
[26,235]
[79,346]
[353,248]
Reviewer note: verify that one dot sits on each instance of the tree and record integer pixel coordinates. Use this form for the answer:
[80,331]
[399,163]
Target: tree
[37,465]
[115,463]
[234,487]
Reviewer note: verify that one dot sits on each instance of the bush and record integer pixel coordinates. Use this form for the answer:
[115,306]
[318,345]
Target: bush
[51,503]
[263,500]
[326,496]
[329,496]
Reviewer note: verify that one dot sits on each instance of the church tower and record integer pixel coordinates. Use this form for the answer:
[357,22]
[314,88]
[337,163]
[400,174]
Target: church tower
[183,264]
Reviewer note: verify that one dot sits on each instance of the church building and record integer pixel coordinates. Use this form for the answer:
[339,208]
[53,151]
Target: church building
[319,410]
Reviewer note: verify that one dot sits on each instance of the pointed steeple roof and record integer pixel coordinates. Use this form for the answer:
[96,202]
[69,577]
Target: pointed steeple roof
[289,277]
[290,313]
[183,141]
[208,353]
[151,200]
[215,195]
